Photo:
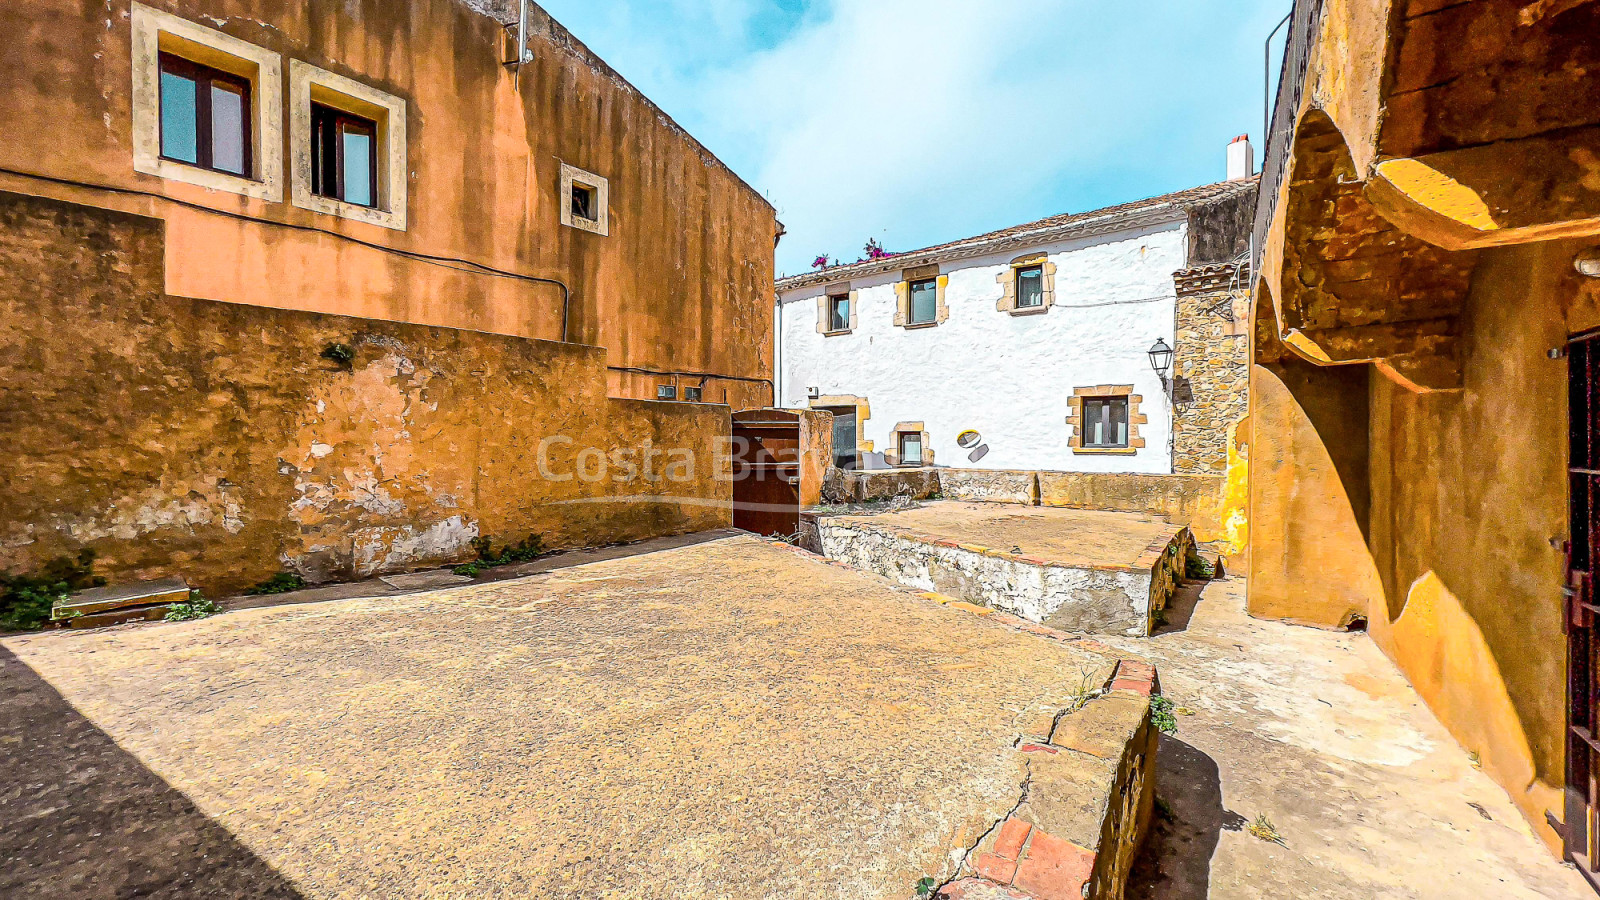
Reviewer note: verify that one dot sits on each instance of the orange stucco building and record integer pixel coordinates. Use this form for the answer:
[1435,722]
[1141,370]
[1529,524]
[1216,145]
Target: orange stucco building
[1419,427]
[349,288]
[466,218]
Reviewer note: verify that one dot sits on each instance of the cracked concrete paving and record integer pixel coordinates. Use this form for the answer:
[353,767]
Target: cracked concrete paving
[1320,733]
[730,719]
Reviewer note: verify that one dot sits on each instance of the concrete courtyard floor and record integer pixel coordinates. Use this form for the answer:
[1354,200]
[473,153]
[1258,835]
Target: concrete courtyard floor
[1317,731]
[728,719]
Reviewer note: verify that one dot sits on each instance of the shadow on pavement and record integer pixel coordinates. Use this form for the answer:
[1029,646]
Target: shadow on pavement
[564,559]
[1175,863]
[82,818]
[1180,609]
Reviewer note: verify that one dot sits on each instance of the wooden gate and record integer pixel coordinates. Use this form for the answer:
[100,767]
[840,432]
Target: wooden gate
[1583,549]
[766,471]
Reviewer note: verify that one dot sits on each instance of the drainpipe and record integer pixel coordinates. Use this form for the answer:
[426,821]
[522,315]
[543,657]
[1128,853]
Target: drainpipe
[777,350]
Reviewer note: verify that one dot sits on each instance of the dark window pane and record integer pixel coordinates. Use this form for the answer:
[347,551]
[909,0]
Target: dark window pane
[844,438]
[344,156]
[357,174]
[666,392]
[582,202]
[693,394]
[180,131]
[1105,422]
[924,301]
[839,313]
[1030,286]
[227,128]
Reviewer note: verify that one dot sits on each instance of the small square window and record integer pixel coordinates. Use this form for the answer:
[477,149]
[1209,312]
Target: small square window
[924,301]
[693,394]
[666,392]
[205,116]
[344,156]
[1105,422]
[839,312]
[585,200]
[910,448]
[1030,287]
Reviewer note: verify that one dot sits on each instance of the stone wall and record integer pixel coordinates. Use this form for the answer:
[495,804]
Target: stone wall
[1211,372]
[1204,503]
[219,442]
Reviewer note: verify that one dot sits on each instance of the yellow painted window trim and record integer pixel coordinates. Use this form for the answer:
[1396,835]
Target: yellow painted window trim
[1136,441]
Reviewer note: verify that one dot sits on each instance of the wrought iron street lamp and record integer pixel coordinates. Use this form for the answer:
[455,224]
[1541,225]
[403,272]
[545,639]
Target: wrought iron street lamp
[1161,359]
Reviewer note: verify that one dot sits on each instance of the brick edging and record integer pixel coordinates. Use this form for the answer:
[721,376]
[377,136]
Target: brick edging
[1025,862]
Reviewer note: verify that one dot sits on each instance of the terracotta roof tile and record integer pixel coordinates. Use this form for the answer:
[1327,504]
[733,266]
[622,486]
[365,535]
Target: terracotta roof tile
[1046,229]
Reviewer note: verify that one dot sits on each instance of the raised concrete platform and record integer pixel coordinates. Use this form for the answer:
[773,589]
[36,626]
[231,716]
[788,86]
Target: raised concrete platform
[1073,569]
[733,718]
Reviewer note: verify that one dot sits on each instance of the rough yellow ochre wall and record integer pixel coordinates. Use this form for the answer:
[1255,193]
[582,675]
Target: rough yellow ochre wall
[1437,517]
[1468,494]
[214,440]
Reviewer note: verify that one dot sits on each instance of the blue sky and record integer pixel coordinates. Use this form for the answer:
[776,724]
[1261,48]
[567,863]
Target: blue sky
[921,121]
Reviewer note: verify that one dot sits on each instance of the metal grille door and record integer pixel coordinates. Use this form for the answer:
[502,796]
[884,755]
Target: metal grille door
[1583,691]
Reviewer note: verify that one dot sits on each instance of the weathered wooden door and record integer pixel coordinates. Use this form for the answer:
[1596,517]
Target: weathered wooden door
[766,472]
[1583,549]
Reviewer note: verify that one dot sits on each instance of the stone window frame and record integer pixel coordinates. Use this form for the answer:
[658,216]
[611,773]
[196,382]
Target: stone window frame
[601,224]
[891,454]
[863,413]
[156,32]
[825,311]
[308,83]
[902,292]
[1007,279]
[1136,442]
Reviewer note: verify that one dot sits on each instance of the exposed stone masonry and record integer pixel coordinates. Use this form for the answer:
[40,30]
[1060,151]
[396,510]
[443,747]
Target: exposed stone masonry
[1211,374]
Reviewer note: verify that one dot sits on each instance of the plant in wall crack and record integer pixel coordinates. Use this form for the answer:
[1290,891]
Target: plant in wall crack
[27,601]
[343,354]
[281,583]
[1161,715]
[529,548]
[196,607]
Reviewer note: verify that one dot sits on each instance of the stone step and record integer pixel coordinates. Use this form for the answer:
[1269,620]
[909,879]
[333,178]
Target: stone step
[152,613]
[83,604]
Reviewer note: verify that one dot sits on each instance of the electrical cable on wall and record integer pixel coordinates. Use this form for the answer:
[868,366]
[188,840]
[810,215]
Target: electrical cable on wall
[475,268]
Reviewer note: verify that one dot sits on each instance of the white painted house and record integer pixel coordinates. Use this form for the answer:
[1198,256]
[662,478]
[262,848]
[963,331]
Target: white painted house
[1025,348]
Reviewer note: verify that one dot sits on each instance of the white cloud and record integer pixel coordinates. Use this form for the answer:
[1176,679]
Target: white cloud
[917,121]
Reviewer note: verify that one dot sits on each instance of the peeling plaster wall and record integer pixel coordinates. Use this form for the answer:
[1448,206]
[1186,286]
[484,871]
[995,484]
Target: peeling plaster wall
[1007,376]
[213,440]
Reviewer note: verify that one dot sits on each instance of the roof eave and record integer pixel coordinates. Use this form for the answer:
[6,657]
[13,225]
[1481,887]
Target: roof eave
[1158,214]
